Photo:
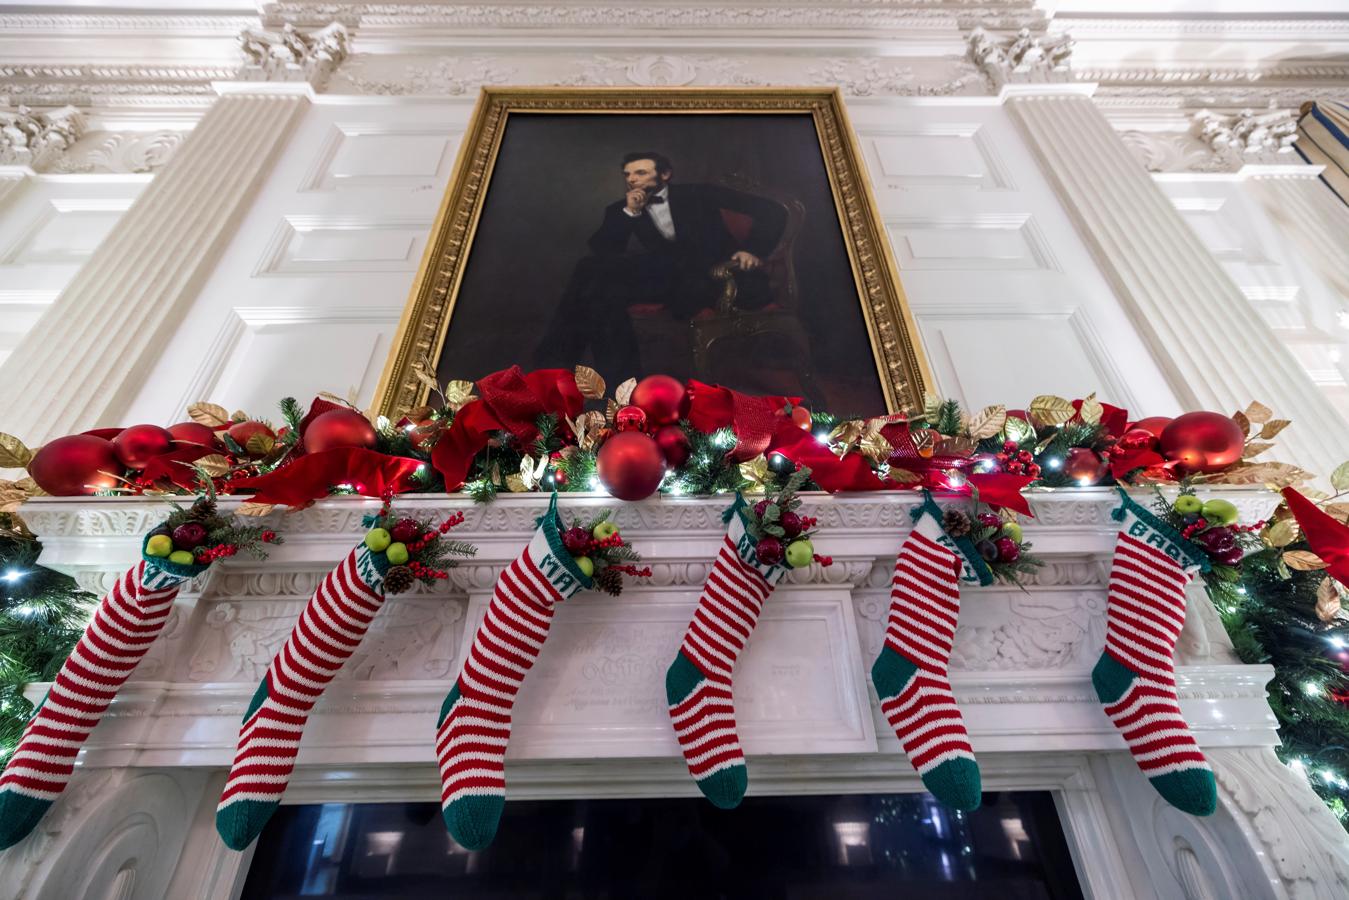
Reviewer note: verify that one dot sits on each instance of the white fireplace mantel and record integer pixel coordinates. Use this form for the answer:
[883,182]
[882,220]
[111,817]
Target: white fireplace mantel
[591,719]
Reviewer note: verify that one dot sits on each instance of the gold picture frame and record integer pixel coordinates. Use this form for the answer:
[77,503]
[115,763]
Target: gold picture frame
[419,342]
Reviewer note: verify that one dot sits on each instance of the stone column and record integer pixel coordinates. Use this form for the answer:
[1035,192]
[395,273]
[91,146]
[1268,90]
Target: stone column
[1213,346]
[86,357]
[1309,212]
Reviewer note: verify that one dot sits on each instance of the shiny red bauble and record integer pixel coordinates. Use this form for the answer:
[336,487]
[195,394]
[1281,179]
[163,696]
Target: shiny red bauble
[243,432]
[630,418]
[74,465]
[1085,466]
[662,398]
[674,445]
[630,465]
[1153,425]
[339,428]
[193,433]
[139,444]
[801,417]
[1138,439]
[1203,441]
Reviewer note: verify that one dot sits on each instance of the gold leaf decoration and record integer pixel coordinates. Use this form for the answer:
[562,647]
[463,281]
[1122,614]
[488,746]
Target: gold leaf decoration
[29,486]
[530,473]
[1339,479]
[1242,422]
[458,394]
[1276,475]
[1337,511]
[1047,409]
[1092,410]
[426,378]
[623,393]
[592,421]
[1327,600]
[214,465]
[755,471]
[988,422]
[1259,413]
[589,383]
[252,508]
[1281,533]
[515,484]
[340,401]
[14,454]
[1255,448]
[1303,560]
[260,444]
[212,415]
[931,405]
[610,409]
[875,447]
[924,441]
[11,496]
[956,446]
[1272,428]
[1017,429]
[846,435]
[904,476]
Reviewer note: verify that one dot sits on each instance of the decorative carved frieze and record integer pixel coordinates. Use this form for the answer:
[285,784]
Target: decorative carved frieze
[37,138]
[1247,135]
[122,153]
[1024,57]
[289,54]
[1171,151]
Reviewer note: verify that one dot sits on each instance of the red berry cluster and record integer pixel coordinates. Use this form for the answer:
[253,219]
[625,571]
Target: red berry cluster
[1016,461]
[268,537]
[420,571]
[219,551]
[823,560]
[627,569]
[613,540]
[1197,525]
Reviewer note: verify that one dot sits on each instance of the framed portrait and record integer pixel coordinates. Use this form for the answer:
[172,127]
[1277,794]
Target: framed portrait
[723,234]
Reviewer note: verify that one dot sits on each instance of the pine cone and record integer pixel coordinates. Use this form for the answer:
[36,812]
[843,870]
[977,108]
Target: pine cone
[203,508]
[609,580]
[398,579]
[956,523]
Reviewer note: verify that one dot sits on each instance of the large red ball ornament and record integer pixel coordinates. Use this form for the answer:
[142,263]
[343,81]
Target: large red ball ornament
[630,418]
[339,428]
[1138,439]
[74,465]
[663,399]
[243,432]
[1153,425]
[193,433]
[630,465]
[674,445]
[139,444]
[1203,441]
[1085,466]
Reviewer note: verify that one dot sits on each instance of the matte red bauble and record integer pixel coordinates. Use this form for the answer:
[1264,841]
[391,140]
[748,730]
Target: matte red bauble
[1154,425]
[662,398]
[630,465]
[242,432]
[339,428]
[193,433]
[1085,466]
[674,445]
[74,465]
[1203,441]
[139,444]
[630,418]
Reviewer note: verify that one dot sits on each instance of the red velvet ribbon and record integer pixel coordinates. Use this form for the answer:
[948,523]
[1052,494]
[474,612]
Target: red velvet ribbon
[850,473]
[1115,419]
[509,400]
[1328,538]
[310,477]
[753,419]
[176,465]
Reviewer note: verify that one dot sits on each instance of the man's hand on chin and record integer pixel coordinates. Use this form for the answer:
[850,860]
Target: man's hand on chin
[636,201]
[745,261]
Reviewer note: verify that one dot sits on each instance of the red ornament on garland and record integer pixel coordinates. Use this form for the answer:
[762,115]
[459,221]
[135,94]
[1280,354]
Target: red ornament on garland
[1153,425]
[630,418]
[664,399]
[1138,439]
[193,433]
[75,465]
[243,432]
[1085,466]
[801,417]
[139,444]
[1203,441]
[339,428]
[674,445]
[630,466]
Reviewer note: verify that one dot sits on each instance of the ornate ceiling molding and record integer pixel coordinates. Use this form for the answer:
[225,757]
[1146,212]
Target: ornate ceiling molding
[1020,58]
[289,54]
[36,138]
[92,85]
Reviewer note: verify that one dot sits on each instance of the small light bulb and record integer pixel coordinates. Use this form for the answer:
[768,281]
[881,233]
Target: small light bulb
[822,437]
[594,482]
[14,575]
[1054,462]
[1335,640]
[1311,688]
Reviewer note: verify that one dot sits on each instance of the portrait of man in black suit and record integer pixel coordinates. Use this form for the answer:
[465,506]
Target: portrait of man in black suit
[657,247]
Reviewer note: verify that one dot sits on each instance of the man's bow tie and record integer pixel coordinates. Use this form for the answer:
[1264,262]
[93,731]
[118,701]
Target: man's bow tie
[654,200]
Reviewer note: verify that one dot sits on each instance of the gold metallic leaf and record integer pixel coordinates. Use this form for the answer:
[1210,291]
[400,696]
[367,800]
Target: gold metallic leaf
[590,423]
[623,393]
[530,473]
[260,444]
[29,487]
[11,497]
[1272,428]
[589,383]
[1274,474]
[14,454]
[212,415]
[1047,409]
[214,465]
[251,508]
[1339,479]
[1303,560]
[426,378]
[876,448]
[515,484]
[1242,422]
[1281,533]
[1337,511]
[1017,429]
[904,476]
[924,439]
[458,394]
[931,405]
[955,446]
[988,423]
[1327,600]
[1259,413]
[1092,410]
[1255,448]
[755,470]
[340,401]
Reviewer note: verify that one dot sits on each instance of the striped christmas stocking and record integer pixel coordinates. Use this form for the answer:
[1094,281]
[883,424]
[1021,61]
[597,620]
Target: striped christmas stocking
[1135,677]
[475,719]
[329,630]
[910,674]
[698,683]
[126,623]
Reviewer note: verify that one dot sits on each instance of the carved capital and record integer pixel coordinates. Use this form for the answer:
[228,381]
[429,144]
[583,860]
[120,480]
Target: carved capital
[1022,58]
[38,139]
[1247,136]
[289,54]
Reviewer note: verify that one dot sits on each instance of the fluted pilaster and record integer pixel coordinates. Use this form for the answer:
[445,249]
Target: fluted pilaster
[1308,211]
[1214,347]
[86,357]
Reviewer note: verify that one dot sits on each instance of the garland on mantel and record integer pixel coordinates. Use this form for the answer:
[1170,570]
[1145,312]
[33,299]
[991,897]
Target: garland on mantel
[517,432]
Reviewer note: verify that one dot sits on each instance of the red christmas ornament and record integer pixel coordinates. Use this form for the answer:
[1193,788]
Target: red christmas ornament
[1138,439]
[242,432]
[189,536]
[630,418]
[193,433]
[1203,441]
[663,399]
[674,445]
[139,444]
[801,417]
[1153,425]
[1085,466]
[75,465]
[339,428]
[559,477]
[769,551]
[630,465]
